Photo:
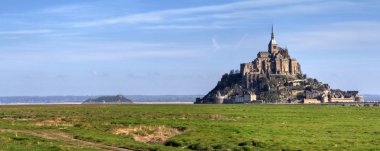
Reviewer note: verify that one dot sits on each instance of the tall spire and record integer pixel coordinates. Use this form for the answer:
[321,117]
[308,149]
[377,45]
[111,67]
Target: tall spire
[272,46]
[272,40]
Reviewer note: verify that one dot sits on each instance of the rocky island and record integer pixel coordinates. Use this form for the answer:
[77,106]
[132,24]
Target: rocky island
[274,77]
[118,99]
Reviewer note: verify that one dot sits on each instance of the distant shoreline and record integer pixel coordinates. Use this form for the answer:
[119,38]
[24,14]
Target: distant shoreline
[182,103]
[80,103]
[137,99]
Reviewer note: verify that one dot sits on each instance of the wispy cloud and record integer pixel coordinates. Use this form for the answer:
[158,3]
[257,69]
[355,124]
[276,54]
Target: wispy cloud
[92,14]
[130,19]
[186,27]
[77,11]
[158,16]
[242,39]
[87,52]
[73,56]
[65,9]
[26,32]
[99,74]
[215,44]
[340,36]
[194,17]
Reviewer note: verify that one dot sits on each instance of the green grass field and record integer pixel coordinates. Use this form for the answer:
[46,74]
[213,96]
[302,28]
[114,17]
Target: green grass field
[189,127]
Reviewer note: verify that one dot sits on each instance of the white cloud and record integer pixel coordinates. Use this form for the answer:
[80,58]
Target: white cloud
[27,32]
[70,56]
[341,36]
[131,19]
[66,9]
[105,51]
[158,16]
[242,39]
[215,44]
[72,12]
[190,18]
[186,27]
[99,74]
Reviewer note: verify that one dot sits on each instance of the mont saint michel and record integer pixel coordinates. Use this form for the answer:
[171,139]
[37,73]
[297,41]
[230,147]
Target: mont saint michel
[274,77]
[155,75]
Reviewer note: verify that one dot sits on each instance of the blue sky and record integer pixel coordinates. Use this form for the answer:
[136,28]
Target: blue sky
[99,47]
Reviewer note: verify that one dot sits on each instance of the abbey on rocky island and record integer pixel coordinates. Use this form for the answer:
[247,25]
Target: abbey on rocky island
[276,61]
[274,77]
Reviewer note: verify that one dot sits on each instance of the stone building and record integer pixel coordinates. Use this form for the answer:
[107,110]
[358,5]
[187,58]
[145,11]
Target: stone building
[275,61]
[311,101]
[247,97]
[274,77]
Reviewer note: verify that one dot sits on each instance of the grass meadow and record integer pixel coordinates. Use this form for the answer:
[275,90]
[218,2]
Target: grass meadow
[189,127]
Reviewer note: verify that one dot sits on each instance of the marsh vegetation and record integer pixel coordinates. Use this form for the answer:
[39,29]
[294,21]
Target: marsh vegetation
[189,127]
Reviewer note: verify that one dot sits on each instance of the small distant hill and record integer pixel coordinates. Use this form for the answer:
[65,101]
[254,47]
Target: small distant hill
[118,99]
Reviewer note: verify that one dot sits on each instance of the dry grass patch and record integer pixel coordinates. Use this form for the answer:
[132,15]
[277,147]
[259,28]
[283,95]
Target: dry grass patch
[216,117]
[149,134]
[221,117]
[18,119]
[57,122]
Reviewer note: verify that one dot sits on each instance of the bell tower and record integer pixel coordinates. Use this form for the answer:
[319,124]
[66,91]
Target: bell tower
[273,46]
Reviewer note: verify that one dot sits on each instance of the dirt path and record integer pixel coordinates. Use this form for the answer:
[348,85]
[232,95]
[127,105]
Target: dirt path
[67,138]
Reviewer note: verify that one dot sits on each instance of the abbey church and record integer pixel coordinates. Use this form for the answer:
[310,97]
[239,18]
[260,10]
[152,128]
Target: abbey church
[274,77]
[276,61]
